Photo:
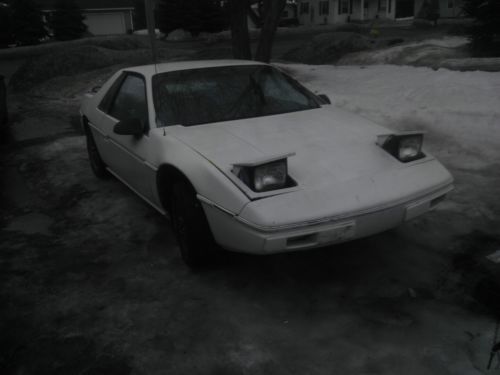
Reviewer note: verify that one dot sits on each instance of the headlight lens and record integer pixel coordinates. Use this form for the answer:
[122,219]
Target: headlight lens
[270,176]
[410,148]
[404,147]
[265,177]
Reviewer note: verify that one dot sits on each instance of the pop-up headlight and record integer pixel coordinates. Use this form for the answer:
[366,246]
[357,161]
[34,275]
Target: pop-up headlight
[405,147]
[265,177]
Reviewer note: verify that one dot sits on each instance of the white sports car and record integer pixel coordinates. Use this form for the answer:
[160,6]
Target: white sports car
[242,156]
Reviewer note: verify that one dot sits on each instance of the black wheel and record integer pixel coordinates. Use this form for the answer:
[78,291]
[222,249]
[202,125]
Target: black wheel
[190,225]
[96,163]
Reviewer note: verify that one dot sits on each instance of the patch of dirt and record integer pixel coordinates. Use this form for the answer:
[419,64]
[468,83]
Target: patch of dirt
[474,275]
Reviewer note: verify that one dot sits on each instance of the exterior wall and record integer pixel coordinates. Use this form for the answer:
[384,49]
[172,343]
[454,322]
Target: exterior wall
[289,13]
[371,10]
[125,14]
[451,8]
[356,10]
[97,29]
[418,6]
[313,16]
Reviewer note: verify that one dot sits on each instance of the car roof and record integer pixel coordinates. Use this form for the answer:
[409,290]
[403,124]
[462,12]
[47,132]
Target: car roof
[152,69]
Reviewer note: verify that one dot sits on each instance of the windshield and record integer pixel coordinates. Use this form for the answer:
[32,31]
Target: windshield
[201,96]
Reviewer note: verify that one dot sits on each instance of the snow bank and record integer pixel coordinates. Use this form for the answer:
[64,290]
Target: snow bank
[459,110]
[486,64]
[144,32]
[425,52]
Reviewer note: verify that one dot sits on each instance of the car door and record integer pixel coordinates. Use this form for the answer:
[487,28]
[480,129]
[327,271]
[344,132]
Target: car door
[127,155]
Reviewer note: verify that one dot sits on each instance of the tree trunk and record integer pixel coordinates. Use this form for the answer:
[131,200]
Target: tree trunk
[272,12]
[238,10]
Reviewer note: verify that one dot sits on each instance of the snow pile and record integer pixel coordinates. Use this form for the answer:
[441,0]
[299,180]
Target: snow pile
[145,32]
[459,110]
[226,35]
[429,52]
[486,64]
[179,35]
[329,47]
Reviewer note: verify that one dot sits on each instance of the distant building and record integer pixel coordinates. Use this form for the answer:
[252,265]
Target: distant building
[102,17]
[317,12]
[288,16]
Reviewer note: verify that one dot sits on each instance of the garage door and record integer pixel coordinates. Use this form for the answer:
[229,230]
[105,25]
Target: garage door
[105,23]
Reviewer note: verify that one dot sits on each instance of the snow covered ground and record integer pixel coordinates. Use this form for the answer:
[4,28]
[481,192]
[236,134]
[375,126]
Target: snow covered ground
[423,52]
[459,110]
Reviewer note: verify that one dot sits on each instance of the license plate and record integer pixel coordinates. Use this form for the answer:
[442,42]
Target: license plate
[343,231]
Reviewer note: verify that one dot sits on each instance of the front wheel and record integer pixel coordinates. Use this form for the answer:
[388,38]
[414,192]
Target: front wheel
[96,163]
[190,225]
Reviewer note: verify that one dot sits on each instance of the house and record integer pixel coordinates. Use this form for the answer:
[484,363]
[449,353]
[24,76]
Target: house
[102,17]
[316,12]
[288,16]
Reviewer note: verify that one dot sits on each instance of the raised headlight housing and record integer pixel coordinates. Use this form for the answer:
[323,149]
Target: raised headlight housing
[405,147]
[265,177]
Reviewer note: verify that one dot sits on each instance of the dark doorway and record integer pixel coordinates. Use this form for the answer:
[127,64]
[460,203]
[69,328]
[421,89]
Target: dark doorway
[405,8]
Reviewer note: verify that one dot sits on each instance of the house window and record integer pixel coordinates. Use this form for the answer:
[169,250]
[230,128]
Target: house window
[451,3]
[304,8]
[390,6]
[382,4]
[343,6]
[324,8]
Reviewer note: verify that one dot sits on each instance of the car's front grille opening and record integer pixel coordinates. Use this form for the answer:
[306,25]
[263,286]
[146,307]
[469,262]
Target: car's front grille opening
[437,200]
[300,241]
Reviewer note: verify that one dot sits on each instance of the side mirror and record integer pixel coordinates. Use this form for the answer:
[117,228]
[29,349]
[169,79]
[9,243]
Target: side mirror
[325,99]
[129,127]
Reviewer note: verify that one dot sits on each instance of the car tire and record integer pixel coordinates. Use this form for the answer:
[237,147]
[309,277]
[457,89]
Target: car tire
[96,163]
[190,225]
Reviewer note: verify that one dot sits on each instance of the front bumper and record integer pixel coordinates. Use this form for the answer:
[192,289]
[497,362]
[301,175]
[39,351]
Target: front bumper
[234,233]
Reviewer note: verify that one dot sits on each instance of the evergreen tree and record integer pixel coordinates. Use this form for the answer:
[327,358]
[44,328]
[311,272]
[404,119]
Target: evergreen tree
[67,20]
[171,15]
[484,33]
[194,16]
[139,15]
[429,10]
[26,21]
[214,18]
[5,26]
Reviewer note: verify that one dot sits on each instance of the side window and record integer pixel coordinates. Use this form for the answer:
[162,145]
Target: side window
[108,98]
[130,101]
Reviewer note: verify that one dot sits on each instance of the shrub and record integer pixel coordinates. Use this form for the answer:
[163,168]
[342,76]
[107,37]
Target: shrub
[195,16]
[484,33]
[27,24]
[67,20]
[6,37]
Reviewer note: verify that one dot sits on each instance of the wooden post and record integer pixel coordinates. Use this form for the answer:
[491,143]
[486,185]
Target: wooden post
[150,20]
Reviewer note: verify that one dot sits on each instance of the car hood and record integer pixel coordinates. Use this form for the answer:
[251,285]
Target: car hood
[330,145]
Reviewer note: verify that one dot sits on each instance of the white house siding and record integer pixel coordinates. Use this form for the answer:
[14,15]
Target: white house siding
[313,16]
[365,10]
